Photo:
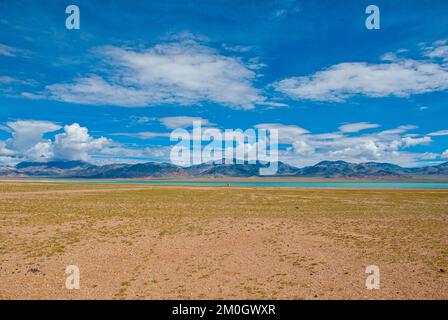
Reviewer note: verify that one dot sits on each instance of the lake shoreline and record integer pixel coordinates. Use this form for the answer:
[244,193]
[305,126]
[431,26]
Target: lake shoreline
[294,184]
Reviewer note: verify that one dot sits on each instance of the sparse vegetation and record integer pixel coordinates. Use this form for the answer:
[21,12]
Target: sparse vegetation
[205,242]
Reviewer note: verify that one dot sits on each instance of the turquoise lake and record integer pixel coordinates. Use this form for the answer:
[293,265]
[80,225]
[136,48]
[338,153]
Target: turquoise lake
[354,185]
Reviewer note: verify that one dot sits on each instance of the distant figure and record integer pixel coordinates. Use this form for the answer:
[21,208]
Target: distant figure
[228,184]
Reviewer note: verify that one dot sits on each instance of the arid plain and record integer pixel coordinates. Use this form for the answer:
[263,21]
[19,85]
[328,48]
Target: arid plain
[179,242]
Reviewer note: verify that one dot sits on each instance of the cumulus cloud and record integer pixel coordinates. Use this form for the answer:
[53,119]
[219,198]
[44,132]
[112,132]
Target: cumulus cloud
[44,141]
[4,151]
[28,133]
[303,148]
[394,76]
[75,143]
[184,72]
[28,143]
[41,151]
[359,126]
[391,145]
[300,147]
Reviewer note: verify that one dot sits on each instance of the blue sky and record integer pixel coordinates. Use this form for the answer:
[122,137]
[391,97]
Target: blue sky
[115,89]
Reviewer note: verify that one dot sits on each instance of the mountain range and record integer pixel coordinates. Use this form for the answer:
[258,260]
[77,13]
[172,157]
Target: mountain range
[324,169]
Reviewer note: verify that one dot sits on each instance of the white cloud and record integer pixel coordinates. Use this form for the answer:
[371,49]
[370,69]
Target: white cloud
[285,8]
[95,90]
[141,120]
[27,133]
[183,122]
[439,133]
[398,130]
[438,49]
[237,48]
[33,96]
[428,156]
[4,151]
[7,51]
[394,76]
[390,56]
[11,80]
[28,144]
[286,133]
[184,72]
[382,146]
[144,134]
[5,128]
[157,152]
[280,12]
[390,145]
[439,52]
[41,151]
[359,126]
[75,143]
[345,80]
[412,142]
[303,148]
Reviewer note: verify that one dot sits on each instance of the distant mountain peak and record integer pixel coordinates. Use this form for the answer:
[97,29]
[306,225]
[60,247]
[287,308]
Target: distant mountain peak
[323,169]
[63,164]
[327,163]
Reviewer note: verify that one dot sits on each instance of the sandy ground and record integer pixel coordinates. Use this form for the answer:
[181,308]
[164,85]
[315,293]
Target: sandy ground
[155,242]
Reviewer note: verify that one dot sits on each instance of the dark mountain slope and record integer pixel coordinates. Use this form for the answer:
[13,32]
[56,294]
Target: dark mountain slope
[324,169]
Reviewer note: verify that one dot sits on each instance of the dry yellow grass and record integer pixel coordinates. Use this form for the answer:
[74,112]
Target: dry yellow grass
[160,242]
